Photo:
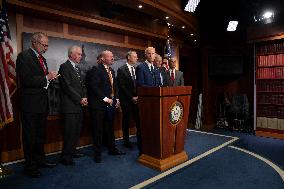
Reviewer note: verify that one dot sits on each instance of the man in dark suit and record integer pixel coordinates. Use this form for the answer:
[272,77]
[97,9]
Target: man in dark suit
[126,82]
[146,74]
[33,79]
[176,76]
[162,74]
[103,101]
[73,98]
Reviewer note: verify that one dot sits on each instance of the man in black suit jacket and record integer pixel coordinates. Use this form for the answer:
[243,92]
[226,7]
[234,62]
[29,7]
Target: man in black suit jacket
[33,80]
[126,82]
[73,98]
[103,101]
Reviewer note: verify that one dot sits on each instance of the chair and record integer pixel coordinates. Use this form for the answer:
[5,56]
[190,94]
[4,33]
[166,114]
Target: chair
[222,105]
[239,112]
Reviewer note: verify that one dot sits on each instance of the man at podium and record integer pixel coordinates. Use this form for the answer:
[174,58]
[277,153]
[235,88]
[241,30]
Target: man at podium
[146,73]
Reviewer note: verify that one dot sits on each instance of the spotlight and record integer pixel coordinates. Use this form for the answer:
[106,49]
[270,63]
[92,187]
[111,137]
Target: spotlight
[140,6]
[167,17]
[183,27]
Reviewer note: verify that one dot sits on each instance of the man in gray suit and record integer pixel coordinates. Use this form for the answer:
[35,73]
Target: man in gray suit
[176,76]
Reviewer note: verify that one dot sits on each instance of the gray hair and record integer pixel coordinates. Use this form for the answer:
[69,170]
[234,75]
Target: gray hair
[72,48]
[128,54]
[37,36]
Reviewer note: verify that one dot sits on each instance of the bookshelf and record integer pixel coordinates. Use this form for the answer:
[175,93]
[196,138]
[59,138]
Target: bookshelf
[270,89]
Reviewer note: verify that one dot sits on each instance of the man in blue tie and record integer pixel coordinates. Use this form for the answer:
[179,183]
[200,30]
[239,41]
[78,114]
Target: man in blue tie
[146,74]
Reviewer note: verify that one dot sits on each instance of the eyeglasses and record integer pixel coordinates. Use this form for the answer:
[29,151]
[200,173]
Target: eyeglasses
[44,45]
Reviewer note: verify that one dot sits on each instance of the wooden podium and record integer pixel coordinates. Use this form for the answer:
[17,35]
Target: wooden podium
[163,118]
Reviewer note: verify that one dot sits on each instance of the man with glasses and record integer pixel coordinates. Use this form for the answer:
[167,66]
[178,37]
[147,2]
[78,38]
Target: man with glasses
[33,79]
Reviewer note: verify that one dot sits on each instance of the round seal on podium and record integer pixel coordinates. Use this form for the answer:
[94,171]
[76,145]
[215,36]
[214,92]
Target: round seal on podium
[176,113]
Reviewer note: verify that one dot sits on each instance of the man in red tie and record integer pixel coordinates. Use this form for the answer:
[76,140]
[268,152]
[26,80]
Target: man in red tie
[176,76]
[33,80]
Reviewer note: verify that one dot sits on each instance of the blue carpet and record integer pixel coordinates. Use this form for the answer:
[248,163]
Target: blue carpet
[272,149]
[124,171]
[227,168]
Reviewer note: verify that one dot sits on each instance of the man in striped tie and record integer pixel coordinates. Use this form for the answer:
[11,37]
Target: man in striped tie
[102,99]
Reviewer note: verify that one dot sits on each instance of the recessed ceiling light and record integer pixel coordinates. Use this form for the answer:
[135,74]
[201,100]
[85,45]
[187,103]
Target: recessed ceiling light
[191,34]
[267,15]
[183,27]
[232,26]
[195,40]
[140,6]
[167,17]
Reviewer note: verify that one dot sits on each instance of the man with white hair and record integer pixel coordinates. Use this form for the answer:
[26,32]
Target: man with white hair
[73,99]
[33,78]
[146,73]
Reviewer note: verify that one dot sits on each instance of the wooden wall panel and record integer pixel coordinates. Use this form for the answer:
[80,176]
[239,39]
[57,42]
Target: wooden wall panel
[93,33]
[42,24]
[137,41]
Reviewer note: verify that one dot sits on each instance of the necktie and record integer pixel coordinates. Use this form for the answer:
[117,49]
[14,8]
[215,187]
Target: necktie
[172,75]
[41,61]
[77,69]
[111,80]
[132,73]
[133,76]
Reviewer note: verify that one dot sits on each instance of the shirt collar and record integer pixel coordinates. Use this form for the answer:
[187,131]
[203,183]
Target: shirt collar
[73,63]
[36,53]
[129,66]
[149,64]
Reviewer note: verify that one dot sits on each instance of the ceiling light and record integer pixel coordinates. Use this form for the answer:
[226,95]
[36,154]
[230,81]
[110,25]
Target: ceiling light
[167,17]
[195,40]
[191,5]
[267,15]
[232,26]
[183,27]
[191,34]
[140,6]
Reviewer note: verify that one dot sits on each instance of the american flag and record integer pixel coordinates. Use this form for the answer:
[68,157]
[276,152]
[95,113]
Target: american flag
[7,69]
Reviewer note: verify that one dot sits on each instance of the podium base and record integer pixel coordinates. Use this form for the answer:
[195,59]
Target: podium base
[163,164]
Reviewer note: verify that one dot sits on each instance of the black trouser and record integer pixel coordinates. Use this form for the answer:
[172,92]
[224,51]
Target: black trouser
[72,130]
[33,136]
[100,123]
[130,110]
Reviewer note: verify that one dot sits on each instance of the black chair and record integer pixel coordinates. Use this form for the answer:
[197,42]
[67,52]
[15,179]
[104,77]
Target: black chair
[238,113]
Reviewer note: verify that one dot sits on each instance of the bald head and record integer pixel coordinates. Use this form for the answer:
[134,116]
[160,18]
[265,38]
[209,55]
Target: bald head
[107,57]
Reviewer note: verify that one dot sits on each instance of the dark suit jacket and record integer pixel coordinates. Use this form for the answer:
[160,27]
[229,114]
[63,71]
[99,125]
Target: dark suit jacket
[72,89]
[99,86]
[31,82]
[165,77]
[144,77]
[125,84]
